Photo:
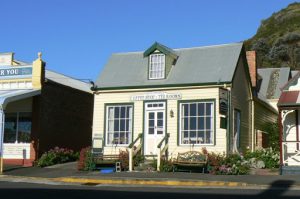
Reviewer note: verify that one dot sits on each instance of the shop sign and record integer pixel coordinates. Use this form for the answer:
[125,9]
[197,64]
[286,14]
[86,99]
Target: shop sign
[223,101]
[19,151]
[156,96]
[15,71]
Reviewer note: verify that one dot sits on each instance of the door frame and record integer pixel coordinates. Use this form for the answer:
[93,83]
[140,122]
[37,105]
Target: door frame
[144,119]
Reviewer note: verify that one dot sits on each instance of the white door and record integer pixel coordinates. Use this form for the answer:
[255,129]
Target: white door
[154,126]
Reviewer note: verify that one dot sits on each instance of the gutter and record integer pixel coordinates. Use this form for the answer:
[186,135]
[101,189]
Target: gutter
[150,89]
[209,84]
[266,104]
[252,126]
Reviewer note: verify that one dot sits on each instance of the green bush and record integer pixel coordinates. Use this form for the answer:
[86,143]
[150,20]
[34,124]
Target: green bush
[273,135]
[269,156]
[138,158]
[166,165]
[57,156]
[86,161]
[236,164]
[233,164]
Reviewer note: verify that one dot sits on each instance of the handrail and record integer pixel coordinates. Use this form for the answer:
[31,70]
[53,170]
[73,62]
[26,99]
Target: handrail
[160,152]
[135,141]
[164,149]
[164,139]
[132,151]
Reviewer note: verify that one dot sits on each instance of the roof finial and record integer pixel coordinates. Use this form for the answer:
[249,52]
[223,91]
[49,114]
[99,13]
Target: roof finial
[39,55]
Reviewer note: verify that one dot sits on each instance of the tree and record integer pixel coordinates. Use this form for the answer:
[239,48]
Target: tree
[292,40]
[262,48]
[286,49]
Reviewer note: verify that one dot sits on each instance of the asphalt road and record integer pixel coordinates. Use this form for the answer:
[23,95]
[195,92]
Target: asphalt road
[10,190]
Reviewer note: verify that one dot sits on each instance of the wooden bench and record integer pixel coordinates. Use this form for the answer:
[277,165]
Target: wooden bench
[191,159]
[106,159]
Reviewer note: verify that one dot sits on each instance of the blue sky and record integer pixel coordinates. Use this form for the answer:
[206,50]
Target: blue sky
[77,37]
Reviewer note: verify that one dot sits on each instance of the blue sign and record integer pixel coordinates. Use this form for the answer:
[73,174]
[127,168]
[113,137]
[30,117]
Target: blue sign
[15,71]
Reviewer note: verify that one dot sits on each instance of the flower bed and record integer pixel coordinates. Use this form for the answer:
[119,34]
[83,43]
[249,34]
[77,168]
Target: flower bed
[57,156]
[236,164]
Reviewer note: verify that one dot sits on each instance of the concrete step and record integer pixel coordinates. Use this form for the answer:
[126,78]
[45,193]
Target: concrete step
[290,170]
[147,165]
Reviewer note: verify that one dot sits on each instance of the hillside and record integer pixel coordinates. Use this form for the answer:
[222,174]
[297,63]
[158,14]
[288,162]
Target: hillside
[277,41]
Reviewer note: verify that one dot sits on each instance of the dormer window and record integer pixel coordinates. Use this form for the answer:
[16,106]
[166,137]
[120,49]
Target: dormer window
[161,60]
[157,66]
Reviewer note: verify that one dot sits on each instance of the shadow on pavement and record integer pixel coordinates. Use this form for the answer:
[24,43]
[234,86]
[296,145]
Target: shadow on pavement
[12,168]
[276,191]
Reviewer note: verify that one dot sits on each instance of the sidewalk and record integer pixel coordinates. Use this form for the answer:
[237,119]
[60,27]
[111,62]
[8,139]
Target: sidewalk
[67,173]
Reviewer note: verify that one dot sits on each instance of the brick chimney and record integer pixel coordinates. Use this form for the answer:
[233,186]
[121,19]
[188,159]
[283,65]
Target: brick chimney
[251,59]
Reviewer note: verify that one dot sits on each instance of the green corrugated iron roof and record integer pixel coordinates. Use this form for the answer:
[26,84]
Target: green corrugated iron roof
[198,65]
[164,49]
[272,81]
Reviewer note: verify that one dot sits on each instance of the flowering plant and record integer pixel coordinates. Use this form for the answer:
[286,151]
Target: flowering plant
[57,156]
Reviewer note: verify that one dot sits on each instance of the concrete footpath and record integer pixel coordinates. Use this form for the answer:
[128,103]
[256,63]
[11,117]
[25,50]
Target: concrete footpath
[68,174]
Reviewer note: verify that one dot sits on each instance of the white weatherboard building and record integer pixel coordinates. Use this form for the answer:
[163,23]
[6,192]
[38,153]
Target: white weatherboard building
[163,101]
[289,106]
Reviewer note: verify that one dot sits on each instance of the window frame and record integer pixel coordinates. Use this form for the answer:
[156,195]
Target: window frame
[237,112]
[17,133]
[213,120]
[106,126]
[163,66]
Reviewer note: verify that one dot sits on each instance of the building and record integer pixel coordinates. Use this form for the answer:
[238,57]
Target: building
[176,100]
[270,81]
[41,109]
[289,106]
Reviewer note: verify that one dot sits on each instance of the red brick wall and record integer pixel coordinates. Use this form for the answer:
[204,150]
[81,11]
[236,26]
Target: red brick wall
[65,118]
[251,59]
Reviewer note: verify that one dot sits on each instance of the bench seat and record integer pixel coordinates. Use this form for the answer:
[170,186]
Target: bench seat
[193,159]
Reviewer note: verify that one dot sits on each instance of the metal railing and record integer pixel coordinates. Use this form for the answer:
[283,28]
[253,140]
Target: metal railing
[133,150]
[160,151]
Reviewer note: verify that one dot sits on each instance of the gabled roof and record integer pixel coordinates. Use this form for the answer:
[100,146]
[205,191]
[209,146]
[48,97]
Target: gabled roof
[161,48]
[209,65]
[291,82]
[18,62]
[272,79]
[289,98]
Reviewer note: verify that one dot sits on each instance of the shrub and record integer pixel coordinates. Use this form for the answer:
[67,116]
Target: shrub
[273,135]
[86,161]
[57,156]
[137,159]
[214,159]
[165,165]
[236,164]
[233,164]
[269,156]
[124,159]
[219,164]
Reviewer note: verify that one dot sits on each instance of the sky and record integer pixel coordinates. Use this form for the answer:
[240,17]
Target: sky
[77,37]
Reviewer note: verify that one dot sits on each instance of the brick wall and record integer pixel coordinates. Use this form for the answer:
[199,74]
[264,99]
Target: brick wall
[65,118]
[251,59]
